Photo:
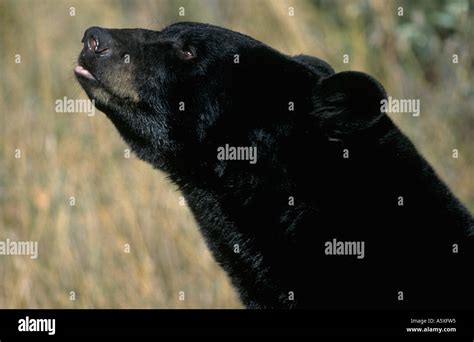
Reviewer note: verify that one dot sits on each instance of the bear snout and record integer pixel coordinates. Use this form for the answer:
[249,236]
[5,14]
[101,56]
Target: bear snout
[97,42]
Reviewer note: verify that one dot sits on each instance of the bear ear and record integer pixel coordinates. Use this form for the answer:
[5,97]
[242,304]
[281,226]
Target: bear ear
[348,102]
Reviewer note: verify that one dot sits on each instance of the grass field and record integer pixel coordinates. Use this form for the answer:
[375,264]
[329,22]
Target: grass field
[78,159]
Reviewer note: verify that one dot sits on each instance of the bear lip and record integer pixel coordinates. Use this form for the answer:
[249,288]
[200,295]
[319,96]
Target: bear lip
[80,70]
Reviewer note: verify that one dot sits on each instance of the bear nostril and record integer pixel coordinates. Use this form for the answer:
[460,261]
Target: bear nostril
[97,42]
[93,43]
[103,51]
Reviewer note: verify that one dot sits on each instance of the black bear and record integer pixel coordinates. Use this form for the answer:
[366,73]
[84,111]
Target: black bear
[306,192]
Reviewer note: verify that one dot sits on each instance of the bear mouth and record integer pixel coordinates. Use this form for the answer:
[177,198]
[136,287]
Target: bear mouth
[81,71]
[101,92]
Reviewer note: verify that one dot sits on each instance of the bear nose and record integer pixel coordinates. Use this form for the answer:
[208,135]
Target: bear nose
[97,41]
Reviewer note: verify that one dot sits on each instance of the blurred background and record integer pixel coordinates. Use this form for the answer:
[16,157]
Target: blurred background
[121,201]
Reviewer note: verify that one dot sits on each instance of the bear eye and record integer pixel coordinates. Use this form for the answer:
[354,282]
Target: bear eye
[187,53]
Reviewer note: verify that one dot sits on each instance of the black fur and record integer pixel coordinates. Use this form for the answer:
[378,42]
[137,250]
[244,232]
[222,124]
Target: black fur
[300,155]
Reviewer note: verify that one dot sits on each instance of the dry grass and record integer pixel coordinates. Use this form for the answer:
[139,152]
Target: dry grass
[123,201]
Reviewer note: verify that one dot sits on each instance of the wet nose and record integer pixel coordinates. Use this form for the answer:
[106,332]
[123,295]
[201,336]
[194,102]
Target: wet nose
[97,41]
